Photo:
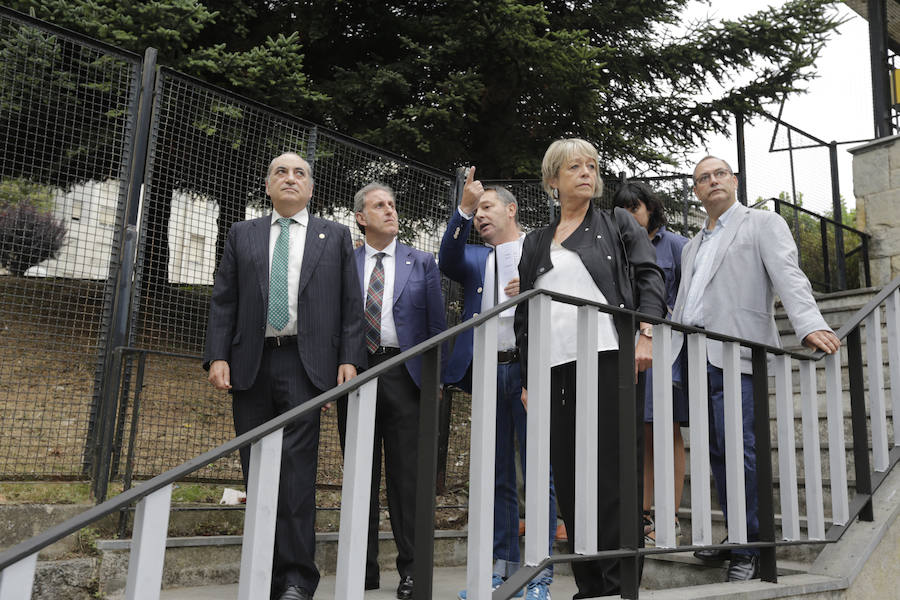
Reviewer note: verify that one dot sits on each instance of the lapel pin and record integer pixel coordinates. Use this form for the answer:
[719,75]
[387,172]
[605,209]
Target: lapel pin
[321,236]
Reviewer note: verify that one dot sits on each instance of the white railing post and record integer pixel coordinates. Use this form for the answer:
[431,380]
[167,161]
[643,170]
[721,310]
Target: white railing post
[787,449]
[698,402]
[837,448]
[356,492]
[586,432]
[812,458]
[893,335]
[148,546]
[663,438]
[877,410]
[17,579]
[480,547]
[734,443]
[258,545]
[537,477]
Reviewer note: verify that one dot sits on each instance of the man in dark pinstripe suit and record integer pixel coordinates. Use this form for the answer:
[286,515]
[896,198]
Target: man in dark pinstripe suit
[273,354]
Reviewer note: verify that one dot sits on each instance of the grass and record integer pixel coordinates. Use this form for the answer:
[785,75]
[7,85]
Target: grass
[78,492]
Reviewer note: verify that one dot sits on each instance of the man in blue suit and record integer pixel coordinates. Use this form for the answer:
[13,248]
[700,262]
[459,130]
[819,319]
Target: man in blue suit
[285,324]
[493,210]
[403,307]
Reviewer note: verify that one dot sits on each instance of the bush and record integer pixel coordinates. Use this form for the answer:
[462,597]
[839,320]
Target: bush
[28,236]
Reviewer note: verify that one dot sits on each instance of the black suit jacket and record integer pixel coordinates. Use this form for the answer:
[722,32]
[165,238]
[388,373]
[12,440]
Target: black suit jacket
[329,303]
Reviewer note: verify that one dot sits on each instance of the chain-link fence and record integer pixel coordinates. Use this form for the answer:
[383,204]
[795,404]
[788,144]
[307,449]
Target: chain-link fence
[73,289]
[67,107]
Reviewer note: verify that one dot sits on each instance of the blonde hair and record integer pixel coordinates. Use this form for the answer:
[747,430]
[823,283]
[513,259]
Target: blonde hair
[561,151]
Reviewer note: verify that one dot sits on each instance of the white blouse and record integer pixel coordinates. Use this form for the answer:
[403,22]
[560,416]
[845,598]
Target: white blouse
[569,276]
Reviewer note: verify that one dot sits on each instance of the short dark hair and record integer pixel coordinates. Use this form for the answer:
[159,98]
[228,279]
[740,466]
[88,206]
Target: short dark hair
[359,199]
[633,192]
[506,197]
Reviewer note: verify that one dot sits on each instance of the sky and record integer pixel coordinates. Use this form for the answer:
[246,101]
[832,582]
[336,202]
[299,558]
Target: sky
[837,107]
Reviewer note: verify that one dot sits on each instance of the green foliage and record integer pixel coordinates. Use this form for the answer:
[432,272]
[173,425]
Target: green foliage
[814,249]
[15,190]
[489,82]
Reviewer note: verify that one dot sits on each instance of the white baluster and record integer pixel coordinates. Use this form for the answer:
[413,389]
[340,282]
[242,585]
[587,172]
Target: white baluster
[837,457]
[663,437]
[356,492]
[734,442]
[537,478]
[259,518]
[812,457]
[698,401]
[148,546]
[586,432]
[877,409]
[787,457]
[481,466]
[17,579]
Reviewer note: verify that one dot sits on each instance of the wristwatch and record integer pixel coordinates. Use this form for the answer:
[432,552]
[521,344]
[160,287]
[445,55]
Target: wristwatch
[647,331]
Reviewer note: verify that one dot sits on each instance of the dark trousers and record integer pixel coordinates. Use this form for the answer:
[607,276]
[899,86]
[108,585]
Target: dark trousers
[282,384]
[715,383]
[397,430]
[596,577]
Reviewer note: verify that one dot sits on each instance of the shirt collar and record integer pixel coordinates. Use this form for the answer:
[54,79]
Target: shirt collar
[301,217]
[723,218]
[520,238]
[389,250]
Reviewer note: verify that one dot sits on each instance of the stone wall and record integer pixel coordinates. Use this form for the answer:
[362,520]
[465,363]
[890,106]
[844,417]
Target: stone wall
[876,185]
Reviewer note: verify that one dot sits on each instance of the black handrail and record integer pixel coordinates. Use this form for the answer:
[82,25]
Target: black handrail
[35,544]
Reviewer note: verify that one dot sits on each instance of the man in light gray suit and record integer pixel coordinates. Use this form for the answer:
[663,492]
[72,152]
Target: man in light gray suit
[731,271]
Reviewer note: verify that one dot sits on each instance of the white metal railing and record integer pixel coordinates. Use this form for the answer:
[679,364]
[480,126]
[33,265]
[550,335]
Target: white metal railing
[153,497]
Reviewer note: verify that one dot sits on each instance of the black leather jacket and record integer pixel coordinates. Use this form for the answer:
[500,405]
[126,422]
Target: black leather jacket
[610,244]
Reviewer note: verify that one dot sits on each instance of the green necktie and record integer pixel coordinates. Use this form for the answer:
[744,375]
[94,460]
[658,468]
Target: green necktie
[279,313]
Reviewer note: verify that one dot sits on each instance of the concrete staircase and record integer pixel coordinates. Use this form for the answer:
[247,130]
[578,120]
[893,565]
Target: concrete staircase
[807,571]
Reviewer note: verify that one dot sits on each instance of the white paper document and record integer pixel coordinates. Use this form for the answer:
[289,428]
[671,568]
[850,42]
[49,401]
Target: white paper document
[507,256]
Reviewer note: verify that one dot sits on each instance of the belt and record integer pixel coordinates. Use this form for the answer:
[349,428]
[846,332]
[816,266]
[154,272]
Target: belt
[280,340]
[385,350]
[507,356]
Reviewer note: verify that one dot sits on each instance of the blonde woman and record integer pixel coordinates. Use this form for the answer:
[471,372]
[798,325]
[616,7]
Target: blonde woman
[586,252]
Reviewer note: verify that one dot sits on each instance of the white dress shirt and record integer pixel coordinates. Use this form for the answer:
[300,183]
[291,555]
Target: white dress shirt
[388,329]
[703,264]
[299,224]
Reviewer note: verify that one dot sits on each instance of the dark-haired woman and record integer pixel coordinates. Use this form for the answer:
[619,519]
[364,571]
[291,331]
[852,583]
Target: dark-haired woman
[649,211]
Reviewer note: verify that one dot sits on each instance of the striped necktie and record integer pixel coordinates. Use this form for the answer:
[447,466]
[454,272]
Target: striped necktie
[374,296]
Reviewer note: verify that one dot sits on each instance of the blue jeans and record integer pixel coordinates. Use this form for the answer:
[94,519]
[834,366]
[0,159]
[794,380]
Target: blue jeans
[511,424]
[715,381]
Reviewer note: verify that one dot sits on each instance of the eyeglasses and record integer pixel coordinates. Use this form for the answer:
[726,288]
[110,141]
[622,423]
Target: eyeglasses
[718,174]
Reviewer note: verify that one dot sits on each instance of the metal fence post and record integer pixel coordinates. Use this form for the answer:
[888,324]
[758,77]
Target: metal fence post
[741,158]
[426,474]
[119,321]
[858,423]
[837,215]
[764,483]
[826,264]
[630,497]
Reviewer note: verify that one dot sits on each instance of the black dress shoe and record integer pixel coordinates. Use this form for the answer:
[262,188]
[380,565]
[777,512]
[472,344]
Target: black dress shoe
[405,589]
[292,592]
[372,584]
[743,567]
[713,555]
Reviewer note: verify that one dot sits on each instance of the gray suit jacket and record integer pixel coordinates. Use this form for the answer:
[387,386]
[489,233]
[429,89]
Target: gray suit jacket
[756,259]
[329,303]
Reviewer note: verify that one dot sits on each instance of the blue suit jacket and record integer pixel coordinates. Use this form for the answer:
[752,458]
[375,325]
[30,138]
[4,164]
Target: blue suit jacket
[463,263]
[418,303]
[329,305]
